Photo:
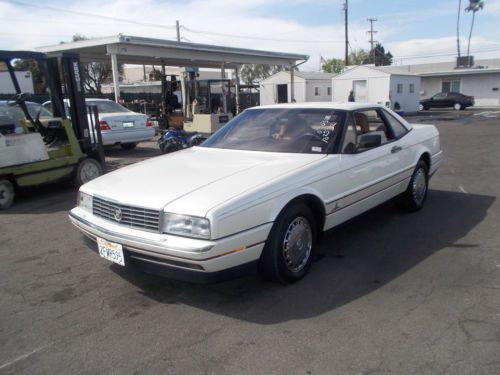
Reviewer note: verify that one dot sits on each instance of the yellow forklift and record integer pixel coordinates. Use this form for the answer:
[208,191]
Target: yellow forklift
[49,150]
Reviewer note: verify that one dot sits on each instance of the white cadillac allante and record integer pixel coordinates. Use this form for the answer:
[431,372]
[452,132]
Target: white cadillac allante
[259,192]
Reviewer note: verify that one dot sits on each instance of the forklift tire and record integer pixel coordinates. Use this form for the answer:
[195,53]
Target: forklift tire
[128,146]
[7,194]
[87,170]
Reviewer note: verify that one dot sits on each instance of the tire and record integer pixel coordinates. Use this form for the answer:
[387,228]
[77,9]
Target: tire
[169,148]
[128,146]
[87,170]
[413,199]
[7,194]
[289,249]
[457,106]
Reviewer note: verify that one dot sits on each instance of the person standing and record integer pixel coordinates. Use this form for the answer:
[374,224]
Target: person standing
[351,96]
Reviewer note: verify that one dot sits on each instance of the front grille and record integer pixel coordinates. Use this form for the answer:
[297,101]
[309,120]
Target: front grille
[136,217]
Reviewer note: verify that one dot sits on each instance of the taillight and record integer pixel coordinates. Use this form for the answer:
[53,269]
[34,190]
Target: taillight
[149,123]
[104,125]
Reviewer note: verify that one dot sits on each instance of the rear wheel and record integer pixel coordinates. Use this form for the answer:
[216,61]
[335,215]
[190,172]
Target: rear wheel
[87,170]
[414,197]
[457,106]
[128,146]
[288,252]
[7,194]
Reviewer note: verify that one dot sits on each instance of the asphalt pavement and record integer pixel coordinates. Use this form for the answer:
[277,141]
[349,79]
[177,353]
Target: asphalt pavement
[394,293]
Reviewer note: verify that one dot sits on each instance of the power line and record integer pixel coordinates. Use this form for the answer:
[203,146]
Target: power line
[257,37]
[85,14]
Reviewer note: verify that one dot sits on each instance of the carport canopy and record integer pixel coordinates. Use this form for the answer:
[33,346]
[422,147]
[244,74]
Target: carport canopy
[127,49]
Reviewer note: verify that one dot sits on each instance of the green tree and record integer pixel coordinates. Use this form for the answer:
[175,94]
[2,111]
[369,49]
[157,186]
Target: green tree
[358,57]
[333,66]
[378,56]
[474,6]
[251,73]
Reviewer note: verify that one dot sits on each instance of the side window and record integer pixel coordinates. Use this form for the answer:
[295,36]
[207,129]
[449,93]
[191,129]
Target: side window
[397,128]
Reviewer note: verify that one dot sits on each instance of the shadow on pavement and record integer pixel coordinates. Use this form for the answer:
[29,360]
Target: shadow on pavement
[360,257]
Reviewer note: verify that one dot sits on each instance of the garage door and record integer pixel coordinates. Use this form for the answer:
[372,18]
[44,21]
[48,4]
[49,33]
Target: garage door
[360,91]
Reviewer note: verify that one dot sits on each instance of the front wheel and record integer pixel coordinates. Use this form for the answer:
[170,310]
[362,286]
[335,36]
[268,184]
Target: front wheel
[7,194]
[414,197]
[457,106]
[87,170]
[287,255]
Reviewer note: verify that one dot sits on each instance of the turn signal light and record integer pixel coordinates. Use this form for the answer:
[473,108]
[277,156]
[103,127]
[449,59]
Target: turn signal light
[104,125]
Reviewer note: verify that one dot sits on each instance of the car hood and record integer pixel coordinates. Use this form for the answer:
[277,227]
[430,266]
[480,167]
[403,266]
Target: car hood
[194,180]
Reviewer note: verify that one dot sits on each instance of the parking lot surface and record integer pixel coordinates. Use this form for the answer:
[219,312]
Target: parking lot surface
[394,293]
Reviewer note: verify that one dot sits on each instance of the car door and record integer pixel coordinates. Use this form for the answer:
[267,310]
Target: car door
[368,176]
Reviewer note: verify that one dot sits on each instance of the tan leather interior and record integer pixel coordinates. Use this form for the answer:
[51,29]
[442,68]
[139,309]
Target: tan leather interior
[362,121]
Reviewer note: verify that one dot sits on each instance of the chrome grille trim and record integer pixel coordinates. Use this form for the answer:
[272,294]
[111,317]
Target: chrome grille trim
[136,217]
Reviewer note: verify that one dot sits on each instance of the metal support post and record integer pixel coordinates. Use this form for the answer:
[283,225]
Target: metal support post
[237,81]
[116,76]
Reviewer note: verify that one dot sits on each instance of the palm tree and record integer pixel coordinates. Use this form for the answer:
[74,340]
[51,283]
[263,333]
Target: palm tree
[474,6]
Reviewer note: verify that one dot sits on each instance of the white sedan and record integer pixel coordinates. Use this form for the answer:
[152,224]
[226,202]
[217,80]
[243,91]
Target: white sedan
[258,193]
[119,125]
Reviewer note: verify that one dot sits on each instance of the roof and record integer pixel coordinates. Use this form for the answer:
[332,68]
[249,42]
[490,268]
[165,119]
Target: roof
[383,69]
[346,106]
[150,51]
[457,72]
[314,75]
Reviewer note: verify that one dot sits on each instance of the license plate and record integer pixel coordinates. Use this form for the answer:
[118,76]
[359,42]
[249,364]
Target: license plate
[128,124]
[111,251]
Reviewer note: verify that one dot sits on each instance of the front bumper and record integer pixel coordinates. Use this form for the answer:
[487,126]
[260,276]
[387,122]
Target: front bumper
[174,256]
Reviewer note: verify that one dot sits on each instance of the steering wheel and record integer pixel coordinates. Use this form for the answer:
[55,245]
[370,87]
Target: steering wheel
[18,98]
[306,138]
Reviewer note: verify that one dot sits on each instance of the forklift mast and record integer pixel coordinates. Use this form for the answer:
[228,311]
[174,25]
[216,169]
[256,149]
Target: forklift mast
[89,137]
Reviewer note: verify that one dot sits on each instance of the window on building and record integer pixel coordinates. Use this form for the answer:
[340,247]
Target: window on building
[317,91]
[399,88]
[329,91]
[412,88]
[452,85]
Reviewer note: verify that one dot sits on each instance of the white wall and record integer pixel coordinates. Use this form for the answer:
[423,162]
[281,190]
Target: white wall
[323,85]
[478,85]
[269,91]
[25,82]
[408,101]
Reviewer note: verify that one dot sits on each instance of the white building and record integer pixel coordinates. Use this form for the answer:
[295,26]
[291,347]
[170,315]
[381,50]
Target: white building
[481,81]
[308,87]
[397,89]
[24,78]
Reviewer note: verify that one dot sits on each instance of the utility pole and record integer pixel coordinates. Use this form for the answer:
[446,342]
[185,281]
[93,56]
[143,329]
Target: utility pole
[372,32]
[177,26]
[346,35]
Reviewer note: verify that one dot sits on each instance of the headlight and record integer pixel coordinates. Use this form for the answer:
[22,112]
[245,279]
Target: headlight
[85,201]
[189,226]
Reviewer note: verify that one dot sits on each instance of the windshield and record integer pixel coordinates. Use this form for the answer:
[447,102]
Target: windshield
[292,130]
[105,106]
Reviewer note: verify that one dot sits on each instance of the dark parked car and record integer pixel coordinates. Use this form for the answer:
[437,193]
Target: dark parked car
[447,99]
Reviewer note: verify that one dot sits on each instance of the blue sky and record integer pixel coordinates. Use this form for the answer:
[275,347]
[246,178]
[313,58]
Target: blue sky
[415,31]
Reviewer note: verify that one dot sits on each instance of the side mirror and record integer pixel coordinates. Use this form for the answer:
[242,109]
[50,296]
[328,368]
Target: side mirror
[368,141]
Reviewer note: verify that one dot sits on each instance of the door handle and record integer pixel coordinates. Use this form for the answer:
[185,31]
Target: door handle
[396,149]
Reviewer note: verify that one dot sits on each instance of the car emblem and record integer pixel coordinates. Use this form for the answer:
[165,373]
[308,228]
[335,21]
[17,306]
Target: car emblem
[118,215]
